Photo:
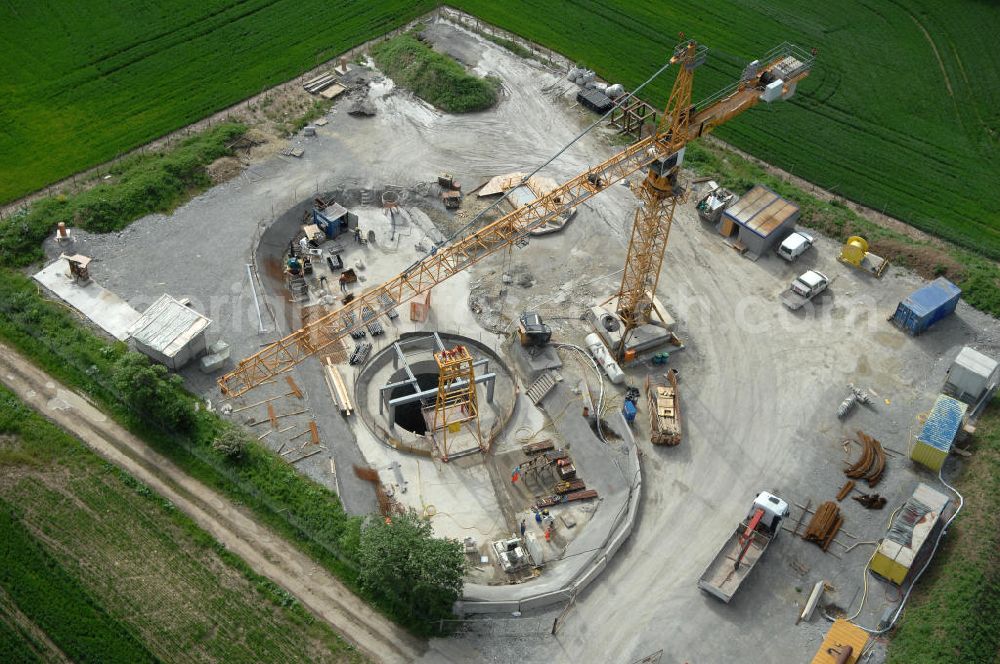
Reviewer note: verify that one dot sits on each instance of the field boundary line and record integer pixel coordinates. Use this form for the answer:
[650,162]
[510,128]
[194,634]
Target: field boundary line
[262,549]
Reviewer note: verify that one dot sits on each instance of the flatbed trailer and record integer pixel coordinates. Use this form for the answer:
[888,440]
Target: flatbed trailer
[664,410]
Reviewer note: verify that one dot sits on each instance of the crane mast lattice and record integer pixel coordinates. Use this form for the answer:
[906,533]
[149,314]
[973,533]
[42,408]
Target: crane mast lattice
[772,77]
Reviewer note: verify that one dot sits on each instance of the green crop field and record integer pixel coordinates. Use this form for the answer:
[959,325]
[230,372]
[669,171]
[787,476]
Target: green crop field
[902,112]
[95,565]
[84,81]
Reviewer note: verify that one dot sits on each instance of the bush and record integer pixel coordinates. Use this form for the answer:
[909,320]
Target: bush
[410,572]
[433,77]
[232,443]
[141,184]
[152,392]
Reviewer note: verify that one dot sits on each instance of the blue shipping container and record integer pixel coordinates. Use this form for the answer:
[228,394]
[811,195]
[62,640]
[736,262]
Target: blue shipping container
[926,306]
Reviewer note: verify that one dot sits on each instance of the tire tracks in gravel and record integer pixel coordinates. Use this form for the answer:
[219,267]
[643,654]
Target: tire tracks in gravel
[263,550]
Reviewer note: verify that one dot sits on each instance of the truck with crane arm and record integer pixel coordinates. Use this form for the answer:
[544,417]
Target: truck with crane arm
[745,547]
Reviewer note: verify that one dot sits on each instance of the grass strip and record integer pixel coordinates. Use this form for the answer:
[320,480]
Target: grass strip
[139,185]
[978,277]
[141,519]
[952,614]
[435,78]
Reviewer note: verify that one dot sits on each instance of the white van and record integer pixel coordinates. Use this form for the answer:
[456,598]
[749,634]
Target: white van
[795,244]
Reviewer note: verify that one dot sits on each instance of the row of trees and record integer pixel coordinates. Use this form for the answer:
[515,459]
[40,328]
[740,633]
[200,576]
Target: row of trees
[402,566]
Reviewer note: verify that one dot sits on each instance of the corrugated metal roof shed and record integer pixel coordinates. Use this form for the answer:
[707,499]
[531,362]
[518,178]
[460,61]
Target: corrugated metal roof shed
[167,326]
[943,423]
[761,210]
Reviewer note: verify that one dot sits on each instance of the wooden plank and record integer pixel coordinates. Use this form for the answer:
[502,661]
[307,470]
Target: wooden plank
[254,405]
[271,416]
[293,387]
[801,516]
[278,417]
[314,431]
[305,456]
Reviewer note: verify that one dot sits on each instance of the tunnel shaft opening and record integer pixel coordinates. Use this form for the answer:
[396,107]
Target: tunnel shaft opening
[410,416]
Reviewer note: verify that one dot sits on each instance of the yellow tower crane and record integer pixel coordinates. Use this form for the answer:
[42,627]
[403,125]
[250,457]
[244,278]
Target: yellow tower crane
[772,77]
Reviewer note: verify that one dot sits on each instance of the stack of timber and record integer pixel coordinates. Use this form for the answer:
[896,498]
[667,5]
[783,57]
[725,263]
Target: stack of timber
[569,486]
[338,389]
[664,410]
[824,525]
[320,83]
[549,501]
[532,449]
[871,465]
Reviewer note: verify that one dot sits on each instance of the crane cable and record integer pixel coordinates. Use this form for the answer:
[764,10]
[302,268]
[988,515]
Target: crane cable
[551,159]
[600,377]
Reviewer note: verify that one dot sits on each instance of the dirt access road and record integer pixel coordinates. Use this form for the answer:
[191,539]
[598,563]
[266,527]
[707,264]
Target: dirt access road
[268,554]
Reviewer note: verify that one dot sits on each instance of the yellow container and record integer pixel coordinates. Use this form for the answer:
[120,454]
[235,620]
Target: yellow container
[928,456]
[886,563]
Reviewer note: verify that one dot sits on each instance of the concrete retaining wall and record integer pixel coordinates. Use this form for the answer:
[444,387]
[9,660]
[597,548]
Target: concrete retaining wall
[522,600]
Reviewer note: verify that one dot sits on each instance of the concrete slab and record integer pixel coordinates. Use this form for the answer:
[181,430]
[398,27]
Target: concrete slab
[105,309]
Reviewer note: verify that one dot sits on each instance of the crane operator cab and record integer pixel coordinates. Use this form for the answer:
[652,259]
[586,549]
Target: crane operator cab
[774,510]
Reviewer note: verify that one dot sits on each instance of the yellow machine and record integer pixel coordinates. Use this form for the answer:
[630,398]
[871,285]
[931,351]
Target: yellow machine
[771,78]
[457,401]
[855,253]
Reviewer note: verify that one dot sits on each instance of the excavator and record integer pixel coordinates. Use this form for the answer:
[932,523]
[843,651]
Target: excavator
[630,326]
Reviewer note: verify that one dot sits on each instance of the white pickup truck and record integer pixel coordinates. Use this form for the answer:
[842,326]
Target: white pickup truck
[794,245]
[807,286]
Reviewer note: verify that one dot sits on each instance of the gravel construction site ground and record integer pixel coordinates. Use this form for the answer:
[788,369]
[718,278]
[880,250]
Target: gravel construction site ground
[760,385]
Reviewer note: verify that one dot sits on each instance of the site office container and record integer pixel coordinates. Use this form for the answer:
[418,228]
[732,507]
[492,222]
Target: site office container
[926,306]
[934,442]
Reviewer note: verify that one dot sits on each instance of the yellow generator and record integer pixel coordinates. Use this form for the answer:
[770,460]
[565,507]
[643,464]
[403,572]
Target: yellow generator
[855,253]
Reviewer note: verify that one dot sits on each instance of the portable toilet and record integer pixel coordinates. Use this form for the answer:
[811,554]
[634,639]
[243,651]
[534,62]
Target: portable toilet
[629,411]
[938,433]
[926,306]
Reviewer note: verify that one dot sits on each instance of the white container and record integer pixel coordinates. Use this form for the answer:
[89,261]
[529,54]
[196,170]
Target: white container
[600,353]
[772,91]
[972,373]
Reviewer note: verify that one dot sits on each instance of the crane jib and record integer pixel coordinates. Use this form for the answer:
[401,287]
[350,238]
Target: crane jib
[446,261]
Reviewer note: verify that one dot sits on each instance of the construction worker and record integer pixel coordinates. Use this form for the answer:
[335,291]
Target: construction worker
[522,528]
